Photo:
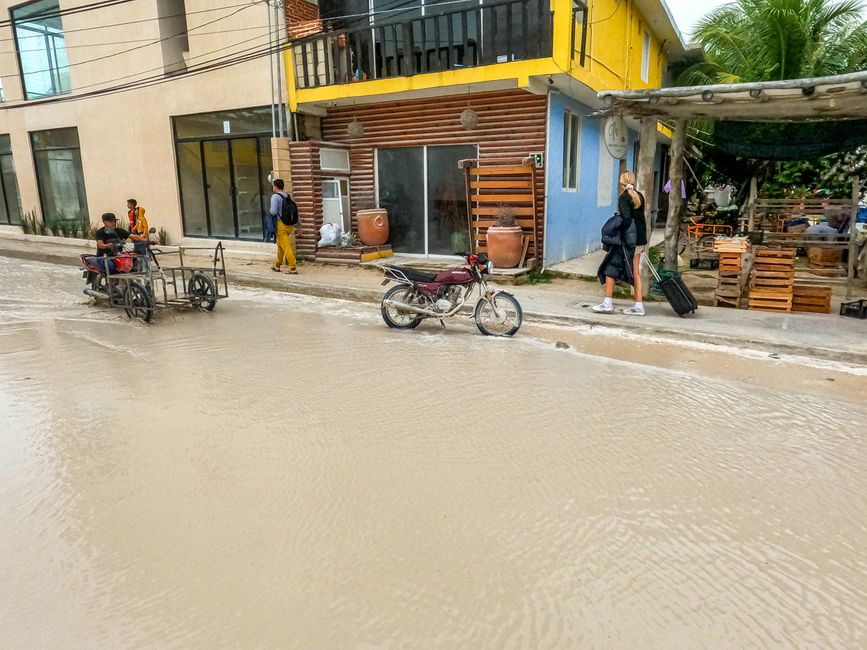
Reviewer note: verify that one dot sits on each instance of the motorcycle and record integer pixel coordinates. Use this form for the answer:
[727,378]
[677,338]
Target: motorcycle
[419,296]
[102,274]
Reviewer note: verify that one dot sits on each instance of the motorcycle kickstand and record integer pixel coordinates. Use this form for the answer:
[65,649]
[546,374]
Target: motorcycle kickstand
[442,323]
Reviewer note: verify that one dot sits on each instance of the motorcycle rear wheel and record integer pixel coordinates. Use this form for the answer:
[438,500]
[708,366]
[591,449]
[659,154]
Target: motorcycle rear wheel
[509,321]
[399,319]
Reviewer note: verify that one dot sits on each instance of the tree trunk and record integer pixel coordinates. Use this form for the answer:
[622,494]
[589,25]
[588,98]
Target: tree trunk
[644,172]
[675,199]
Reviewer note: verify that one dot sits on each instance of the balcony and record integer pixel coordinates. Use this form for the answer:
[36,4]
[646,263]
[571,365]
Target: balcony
[433,41]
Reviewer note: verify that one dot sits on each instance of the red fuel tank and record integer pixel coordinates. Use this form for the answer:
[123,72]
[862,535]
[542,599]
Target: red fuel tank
[454,276]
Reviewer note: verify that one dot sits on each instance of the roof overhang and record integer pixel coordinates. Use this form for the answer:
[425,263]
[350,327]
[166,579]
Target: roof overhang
[661,21]
[839,97]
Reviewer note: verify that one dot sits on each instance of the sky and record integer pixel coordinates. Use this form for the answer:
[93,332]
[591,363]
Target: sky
[688,12]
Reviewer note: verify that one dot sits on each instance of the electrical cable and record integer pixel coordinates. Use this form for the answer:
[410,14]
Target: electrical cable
[139,47]
[219,63]
[44,15]
[142,20]
[141,40]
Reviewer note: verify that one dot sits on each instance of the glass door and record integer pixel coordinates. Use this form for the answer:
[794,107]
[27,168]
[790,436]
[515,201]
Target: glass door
[247,184]
[447,222]
[218,180]
[424,192]
[400,176]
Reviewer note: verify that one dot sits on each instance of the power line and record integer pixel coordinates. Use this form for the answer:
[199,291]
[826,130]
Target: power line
[139,47]
[44,15]
[142,20]
[162,67]
[219,63]
[143,40]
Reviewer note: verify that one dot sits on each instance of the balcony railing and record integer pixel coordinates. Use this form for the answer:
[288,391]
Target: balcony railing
[480,34]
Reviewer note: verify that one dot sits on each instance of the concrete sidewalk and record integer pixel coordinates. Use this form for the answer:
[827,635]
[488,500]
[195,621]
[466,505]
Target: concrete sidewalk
[564,303]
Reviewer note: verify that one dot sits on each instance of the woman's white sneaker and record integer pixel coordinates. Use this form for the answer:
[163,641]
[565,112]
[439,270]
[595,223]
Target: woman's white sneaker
[634,311]
[603,308]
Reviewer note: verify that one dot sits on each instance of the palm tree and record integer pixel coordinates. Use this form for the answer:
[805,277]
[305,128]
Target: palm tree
[768,40]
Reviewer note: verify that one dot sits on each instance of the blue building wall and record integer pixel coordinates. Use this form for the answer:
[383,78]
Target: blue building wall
[574,218]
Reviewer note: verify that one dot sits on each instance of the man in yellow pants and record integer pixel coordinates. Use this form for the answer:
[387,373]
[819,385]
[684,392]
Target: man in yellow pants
[285,211]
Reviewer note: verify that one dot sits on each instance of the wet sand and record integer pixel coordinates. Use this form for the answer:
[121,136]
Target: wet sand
[287,472]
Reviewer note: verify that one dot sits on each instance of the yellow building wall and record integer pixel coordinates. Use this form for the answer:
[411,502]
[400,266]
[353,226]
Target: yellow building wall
[613,51]
[613,59]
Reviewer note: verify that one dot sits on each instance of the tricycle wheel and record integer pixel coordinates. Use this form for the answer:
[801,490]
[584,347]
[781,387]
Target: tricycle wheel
[203,292]
[99,283]
[138,302]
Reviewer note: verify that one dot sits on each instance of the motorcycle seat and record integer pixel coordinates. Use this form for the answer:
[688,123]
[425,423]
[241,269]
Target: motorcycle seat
[413,275]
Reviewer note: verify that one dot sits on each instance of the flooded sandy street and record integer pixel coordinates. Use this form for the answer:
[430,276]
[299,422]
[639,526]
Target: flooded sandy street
[289,473]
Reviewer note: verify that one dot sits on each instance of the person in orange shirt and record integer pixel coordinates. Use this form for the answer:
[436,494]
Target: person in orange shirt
[138,224]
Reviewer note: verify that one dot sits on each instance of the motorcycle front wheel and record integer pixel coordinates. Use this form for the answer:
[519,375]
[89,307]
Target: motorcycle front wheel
[504,321]
[400,320]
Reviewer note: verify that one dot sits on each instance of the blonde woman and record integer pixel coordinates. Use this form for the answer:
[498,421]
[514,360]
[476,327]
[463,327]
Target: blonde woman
[622,262]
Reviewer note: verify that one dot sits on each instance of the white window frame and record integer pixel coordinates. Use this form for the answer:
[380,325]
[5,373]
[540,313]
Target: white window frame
[645,57]
[571,158]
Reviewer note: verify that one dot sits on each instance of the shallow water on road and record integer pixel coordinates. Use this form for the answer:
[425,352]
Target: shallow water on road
[287,472]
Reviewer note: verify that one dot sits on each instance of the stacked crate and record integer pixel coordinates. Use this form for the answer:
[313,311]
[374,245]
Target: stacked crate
[772,280]
[811,298]
[729,290]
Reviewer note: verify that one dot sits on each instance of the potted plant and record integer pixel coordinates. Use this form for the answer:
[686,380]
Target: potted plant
[372,223]
[505,240]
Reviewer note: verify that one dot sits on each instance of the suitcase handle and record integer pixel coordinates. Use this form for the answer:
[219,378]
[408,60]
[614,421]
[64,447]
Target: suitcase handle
[650,264]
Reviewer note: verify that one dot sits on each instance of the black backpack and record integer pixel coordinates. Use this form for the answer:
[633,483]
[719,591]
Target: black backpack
[288,211]
[611,232]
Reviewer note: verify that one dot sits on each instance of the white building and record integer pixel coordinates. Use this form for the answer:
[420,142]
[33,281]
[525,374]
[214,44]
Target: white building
[104,101]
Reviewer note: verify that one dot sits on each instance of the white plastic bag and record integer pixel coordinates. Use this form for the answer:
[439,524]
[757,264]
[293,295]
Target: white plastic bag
[329,235]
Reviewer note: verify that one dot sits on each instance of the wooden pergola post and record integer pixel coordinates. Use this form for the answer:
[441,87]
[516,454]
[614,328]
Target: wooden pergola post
[754,191]
[853,244]
[675,199]
[644,168]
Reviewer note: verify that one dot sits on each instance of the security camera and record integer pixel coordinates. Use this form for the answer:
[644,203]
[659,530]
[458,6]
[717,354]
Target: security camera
[550,81]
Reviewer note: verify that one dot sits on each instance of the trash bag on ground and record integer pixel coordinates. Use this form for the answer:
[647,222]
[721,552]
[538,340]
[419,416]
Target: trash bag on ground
[329,235]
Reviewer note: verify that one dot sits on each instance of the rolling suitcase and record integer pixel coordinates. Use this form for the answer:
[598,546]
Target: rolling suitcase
[679,297]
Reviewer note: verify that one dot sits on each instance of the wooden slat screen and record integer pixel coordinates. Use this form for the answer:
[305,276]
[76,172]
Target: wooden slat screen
[494,188]
[307,193]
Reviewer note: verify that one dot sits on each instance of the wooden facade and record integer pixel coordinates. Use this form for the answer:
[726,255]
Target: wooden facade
[307,192]
[512,125]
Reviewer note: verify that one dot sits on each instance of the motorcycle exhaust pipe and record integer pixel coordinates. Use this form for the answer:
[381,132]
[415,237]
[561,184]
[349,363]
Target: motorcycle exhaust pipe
[402,306]
[95,294]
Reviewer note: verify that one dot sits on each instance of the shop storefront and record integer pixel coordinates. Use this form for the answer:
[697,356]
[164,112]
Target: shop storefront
[223,162]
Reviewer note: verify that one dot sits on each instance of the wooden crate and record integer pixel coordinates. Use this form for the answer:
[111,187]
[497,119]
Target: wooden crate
[770,301]
[812,299]
[824,256]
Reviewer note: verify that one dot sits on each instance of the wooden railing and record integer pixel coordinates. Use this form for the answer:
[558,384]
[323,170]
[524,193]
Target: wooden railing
[485,34]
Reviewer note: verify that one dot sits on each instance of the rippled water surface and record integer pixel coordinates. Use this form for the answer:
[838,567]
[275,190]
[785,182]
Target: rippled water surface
[291,473]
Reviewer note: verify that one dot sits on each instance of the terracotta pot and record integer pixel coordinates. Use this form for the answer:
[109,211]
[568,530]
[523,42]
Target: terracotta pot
[505,245]
[372,226]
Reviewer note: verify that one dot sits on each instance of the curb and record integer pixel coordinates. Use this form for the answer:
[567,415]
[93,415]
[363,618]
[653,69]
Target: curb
[373,296]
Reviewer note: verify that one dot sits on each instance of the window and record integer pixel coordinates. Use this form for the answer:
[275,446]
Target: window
[58,174]
[41,49]
[571,142]
[10,201]
[645,57]
[334,160]
[579,31]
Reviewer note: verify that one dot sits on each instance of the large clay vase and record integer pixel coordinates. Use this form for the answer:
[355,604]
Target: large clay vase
[505,245]
[373,226]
